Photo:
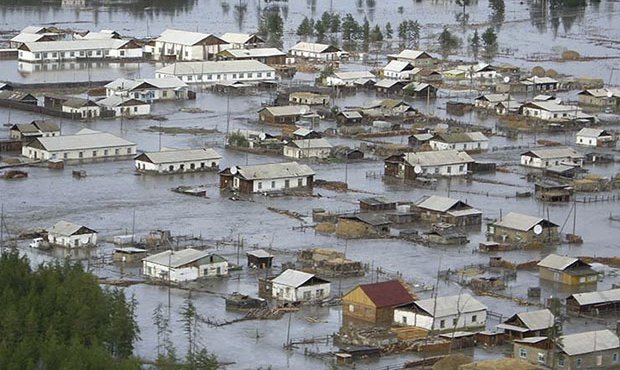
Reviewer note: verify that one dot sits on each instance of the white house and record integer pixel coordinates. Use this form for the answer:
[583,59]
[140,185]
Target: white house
[26,131]
[22,38]
[298,286]
[70,235]
[84,108]
[169,161]
[480,71]
[184,265]
[186,45]
[553,111]
[594,137]
[349,78]
[214,72]
[267,177]
[490,101]
[399,70]
[320,52]
[553,156]
[443,313]
[126,107]
[84,145]
[101,35]
[417,58]
[58,51]
[308,148]
[435,163]
[462,141]
[149,89]
[242,40]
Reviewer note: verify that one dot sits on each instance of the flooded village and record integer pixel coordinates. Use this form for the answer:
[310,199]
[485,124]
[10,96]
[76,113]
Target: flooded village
[356,184]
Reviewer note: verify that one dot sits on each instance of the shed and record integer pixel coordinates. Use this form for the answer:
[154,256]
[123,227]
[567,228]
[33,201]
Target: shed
[259,258]
[71,235]
[298,286]
[600,302]
[374,303]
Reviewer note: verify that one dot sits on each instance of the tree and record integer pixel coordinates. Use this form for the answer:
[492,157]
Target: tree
[489,39]
[389,33]
[305,28]
[188,321]
[271,26]
[365,36]
[350,28]
[413,33]
[376,35]
[474,44]
[463,4]
[498,8]
[334,26]
[447,42]
[320,28]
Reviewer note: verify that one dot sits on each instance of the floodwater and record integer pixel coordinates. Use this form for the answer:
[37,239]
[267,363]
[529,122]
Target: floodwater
[108,197]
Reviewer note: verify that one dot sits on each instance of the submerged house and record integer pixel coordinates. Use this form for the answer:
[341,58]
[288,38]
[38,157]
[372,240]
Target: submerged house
[529,324]
[443,313]
[434,208]
[171,161]
[187,46]
[242,40]
[462,141]
[71,235]
[267,177]
[421,90]
[84,108]
[594,137]
[34,129]
[308,98]
[228,71]
[184,265]
[283,114]
[351,79]
[85,50]
[269,56]
[600,98]
[398,70]
[374,303]
[553,156]
[518,228]
[316,51]
[408,166]
[298,286]
[597,303]
[308,148]
[149,89]
[566,270]
[124,107]
[417,58]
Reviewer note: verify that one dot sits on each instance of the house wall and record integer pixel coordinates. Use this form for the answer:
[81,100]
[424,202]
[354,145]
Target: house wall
[314,55]
[185,52]
[156,271]
[544,163]
[61,55]
[565,278]
[266,116]
[134,110]
[531,354]
[594,360]
[87,154]
[502,234]
[597,101]
[170,168]
[445,170]
[73,240]
[266,185]
[212,78]
[84,112]
[592,141]
[464,321]
[150,95]
[546,115]
[467,146]
[357,306]
[294,152]
[301,294]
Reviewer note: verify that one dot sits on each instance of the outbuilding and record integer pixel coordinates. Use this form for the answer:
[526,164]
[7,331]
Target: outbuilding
[374,303]
[298,286]
[34,129]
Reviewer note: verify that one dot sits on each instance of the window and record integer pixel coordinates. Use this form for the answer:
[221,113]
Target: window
[442,324]
[320,292]
[404,320]
[287,183]
[614,357]
[523,353]
[351,308]
[116,151]
[436,170]
[94,153]
[461,168]
[99,52]
[273,184]
[259,74]
[135,109]
[307,296]
[561,361]
[192,166]
[81,154]
[449,169]
[65,155]
[474,318]
[300,183]
[128,150]
[202,165]
[234,75]
[541,357]
[164,93]
[260,185]
[579,362]
[455,322]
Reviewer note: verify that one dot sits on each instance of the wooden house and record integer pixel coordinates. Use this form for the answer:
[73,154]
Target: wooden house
[316,51]
[409,166]
[389,87]
[529,324]
[308,148]
[286,114]
[516,228]
[268,56]
[267,177]
[547,157]
[463,141]
[552,192]
[349,118]
[259,258]
[242,40]
[18,97]
[373,304]
[435,209]
[71,235]
[308,98]
[418,58]
[566,270]
[594,303]
[376,204]
[34,129]
[420,90]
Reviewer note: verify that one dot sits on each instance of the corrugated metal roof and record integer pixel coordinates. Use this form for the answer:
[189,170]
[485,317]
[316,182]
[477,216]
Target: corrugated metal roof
[493,98]
[556,262]
[224,66]
[461,137]
[592,132]
[27,37]
[588,342]
[605,296]
[288,110]
[161,83]
[255,53]
[450,305]
[436,203]
[351,114]
[176,259]
[182,155]
[437,158]
[518,221]
[537,320]
[397,66]
[312,144]
[34,29]
[82,140]
[410,54]
[117,101]
[387,83]
[553,106]
[259,253]
[274,171]
[65,228]
[74,45]
[184,37]
[236,38]
[312,47]
[292,278]
[354,75]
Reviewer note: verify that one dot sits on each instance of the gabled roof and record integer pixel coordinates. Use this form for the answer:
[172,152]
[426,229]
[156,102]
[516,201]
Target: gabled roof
[592,132]
[35,29]
[552,106]
[274,171]
[74,45]
[36,127]
[186,37]
[67,228]
[295,279]
[439,204]
[28,37]
[556,262]
[460,137]
[78,103]
[409,54]
[398,66]
[124,84]
[534,320]
[224,66]
[315,47]
[117,101]
[493,98]
[417,86]
[551,153]
[350,114]
[312,144]
[588,342]
[287,110]
[542,80]
[239,38]
[177,259]
[387,293]
[254,53]
[372,219]
[450,305]
[16,95]
[259,253]
[178,155]
[520,222]
[354,75]
[437,158]
[387,83]
[84,139]
[605,296]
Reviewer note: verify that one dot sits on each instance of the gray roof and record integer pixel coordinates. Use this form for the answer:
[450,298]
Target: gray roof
[287,110]
[75,45]
[118,101]
[255,53]
[550,153]
[531,340]
[312,47]
[259,253]
[588,342]
[224,66]
[436,203]
[236,38]
[493,98]
[65,228]
[556,262]
[78,102]
[161,83]
[274,171]
[34,29]
[410,54]
[176,259]
[84,139]
[387,83]
[450,305]
[553,106]
[312,144]
[612,295]
[354,75]
[519,221]
[292,278]
[592,132]
[437,158]
[461,137]
[351,114]
[27,37]
[183,37]
[537,320]
[397,66]
[181,155]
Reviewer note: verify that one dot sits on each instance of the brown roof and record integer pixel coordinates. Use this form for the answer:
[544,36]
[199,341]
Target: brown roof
[387,293]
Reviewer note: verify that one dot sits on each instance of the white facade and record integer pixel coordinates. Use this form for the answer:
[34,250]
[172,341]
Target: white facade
[222,71]
[125,107]
[320,52]
[298,286]
[593,137]
[184,265]
[58,51]
[551,157]
[178,161]
[444,170]
[464,146]
[468,320]
[186,45]
[85,112]
[149,90]
[71,235]
[551,111]
[308,148]
[279,184]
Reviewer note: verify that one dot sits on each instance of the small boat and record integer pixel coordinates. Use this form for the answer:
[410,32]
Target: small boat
[14,174]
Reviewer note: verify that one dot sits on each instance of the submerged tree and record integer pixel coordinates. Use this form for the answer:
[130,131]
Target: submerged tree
[447,42]
[489,39]
[271,26]
[474,44]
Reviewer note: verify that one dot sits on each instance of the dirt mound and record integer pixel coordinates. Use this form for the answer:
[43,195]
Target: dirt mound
[452,362]
[570,55]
